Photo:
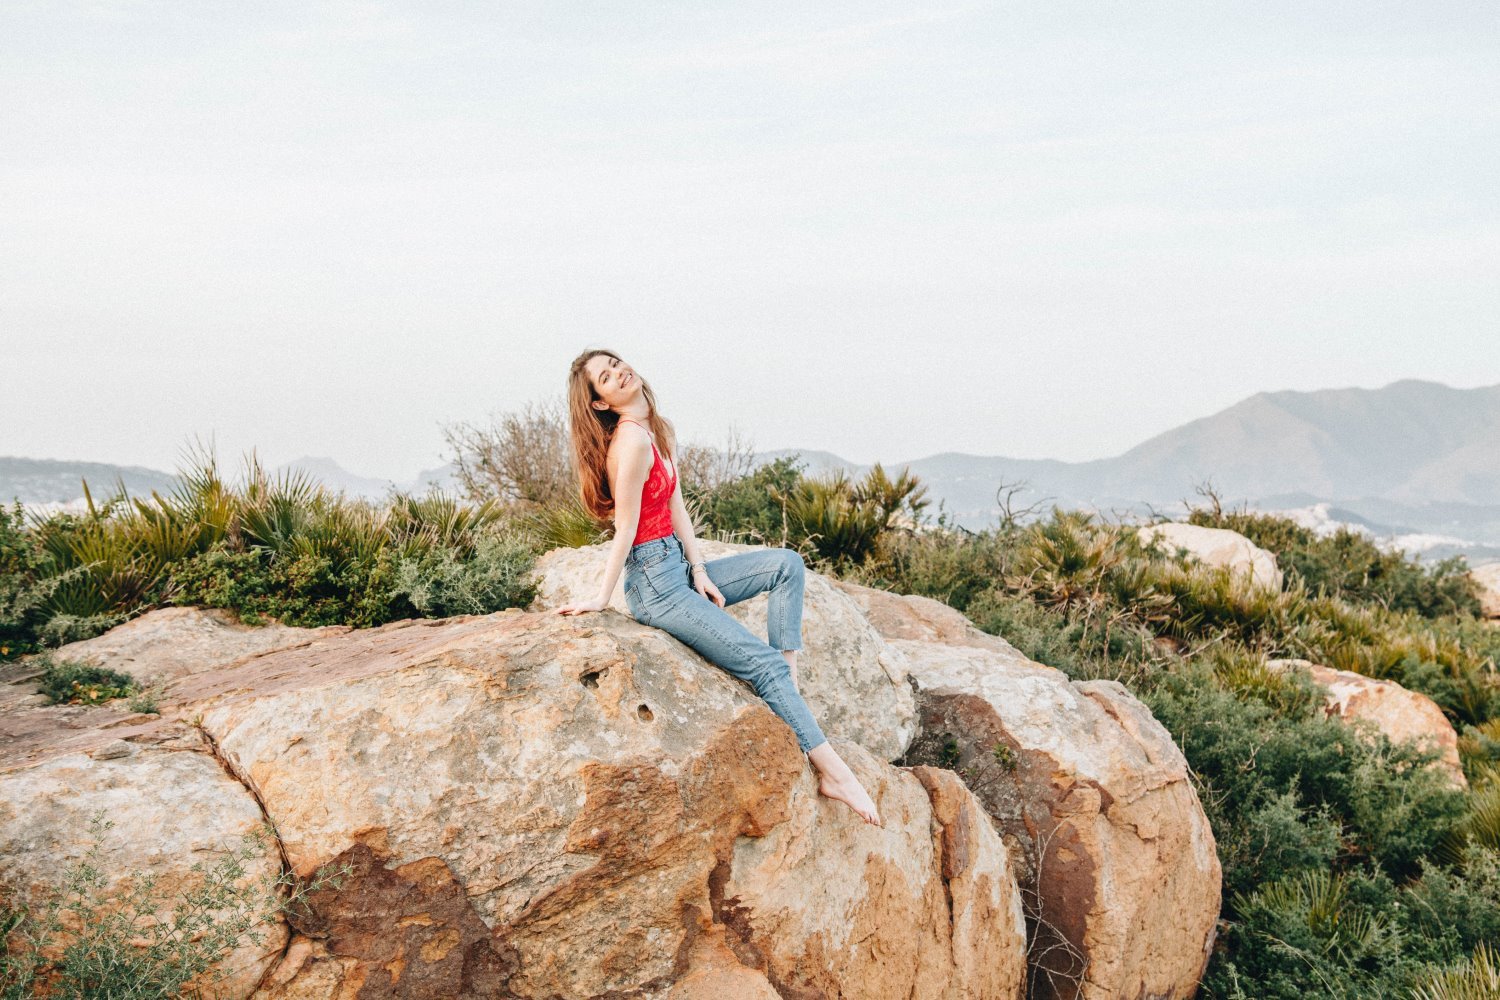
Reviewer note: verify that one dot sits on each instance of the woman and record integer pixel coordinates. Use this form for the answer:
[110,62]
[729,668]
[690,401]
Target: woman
[618,434]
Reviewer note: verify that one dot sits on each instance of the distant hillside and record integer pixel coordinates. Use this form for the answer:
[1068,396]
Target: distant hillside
[41,480]
[1411,457]
[1409,442]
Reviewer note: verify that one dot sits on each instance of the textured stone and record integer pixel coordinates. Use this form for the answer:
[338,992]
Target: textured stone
[1089,791]
[1488,578]
[1398,712]
[172,805]
[535,806]
[169,643]
[1218,547]
[854,683]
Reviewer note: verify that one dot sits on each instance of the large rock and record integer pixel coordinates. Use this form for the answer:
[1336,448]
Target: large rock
[1217,547]
[541,806]
[1398,712]
[1088,788]
[1488,578]
[854,684]
[169,643]
[172,805]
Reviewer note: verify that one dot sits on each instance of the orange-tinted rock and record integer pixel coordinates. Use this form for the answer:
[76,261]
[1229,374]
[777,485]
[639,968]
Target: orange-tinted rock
[171,804]
[1488,578]
[855,685]
[1398,712]
[542,806]
[169,643]
[1087,787]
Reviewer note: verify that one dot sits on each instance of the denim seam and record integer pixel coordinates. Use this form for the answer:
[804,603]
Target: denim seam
[783,681]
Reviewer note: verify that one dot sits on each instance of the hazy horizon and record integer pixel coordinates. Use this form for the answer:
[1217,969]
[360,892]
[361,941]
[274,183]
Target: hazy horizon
[1044,231]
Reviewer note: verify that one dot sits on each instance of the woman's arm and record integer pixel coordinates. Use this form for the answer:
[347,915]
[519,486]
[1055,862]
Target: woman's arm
[628,465]
[683,525]
[631,453]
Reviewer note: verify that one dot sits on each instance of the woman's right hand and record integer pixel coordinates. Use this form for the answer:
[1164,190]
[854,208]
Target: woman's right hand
[575,609]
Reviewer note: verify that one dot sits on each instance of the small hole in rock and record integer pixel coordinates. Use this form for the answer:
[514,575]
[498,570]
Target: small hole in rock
[591,679]
[644,713]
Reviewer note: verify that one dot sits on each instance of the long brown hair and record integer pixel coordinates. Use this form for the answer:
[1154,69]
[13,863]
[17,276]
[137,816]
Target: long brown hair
[590,432]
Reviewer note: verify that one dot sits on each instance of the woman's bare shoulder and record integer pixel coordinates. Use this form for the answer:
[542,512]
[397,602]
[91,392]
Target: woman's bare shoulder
[630,443]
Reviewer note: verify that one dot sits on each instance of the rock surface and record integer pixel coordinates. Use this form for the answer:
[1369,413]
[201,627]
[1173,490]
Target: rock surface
[1398,712]
[1488,577]
[540,806]
[1089,790]
[175,642]
[172,805]
[1218,547]
[853,682]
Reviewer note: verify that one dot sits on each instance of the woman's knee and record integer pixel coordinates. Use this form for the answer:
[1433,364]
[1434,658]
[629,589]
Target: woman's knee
[792,563]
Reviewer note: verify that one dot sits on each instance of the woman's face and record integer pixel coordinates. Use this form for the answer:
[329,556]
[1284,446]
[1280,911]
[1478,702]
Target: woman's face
[615,382]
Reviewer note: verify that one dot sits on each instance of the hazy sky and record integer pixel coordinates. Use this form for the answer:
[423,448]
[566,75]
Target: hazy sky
[1038,230]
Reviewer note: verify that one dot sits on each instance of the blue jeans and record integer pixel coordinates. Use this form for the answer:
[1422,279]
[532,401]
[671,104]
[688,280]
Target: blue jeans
[659,591]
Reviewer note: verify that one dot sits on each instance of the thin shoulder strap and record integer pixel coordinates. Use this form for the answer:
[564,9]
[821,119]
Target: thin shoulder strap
[627,420]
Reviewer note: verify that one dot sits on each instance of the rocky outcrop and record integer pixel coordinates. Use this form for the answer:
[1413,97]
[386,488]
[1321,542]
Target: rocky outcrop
[852,681]
[1398,712]
[175,642]
[171,804]
[1488,578]
[1119,861]
[538,806]
[1217,547]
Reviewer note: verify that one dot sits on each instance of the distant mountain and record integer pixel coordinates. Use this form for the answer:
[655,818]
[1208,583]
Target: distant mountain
[337,478]
[1409,458]
[42,480]
[1410,442]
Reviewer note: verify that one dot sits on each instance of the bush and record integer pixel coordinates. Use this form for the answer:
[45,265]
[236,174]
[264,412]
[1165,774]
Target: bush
[441,582]
[746,509]
[302,590]
[72,683]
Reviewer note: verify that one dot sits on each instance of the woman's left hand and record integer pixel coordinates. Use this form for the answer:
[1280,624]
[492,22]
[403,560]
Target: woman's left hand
[706,587]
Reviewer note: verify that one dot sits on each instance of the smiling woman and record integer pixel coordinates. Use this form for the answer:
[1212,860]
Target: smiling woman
[623,453]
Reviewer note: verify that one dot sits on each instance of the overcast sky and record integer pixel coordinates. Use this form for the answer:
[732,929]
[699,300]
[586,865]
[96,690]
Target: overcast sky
[1034,230]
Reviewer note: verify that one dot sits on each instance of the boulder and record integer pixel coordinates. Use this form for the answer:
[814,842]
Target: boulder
[853,682]
[537,806]
[169,643]
[1217,547]
[1488,578]
[1119,863]
[1398,712]
[171,804]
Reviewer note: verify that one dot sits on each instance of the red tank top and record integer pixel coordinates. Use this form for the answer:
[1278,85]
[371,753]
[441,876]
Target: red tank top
[656,497]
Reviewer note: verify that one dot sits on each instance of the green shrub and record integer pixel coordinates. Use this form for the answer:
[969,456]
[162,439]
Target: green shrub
[1304,936]
[72,683]
[1478,978]
[747,509]
[441,582]
[304,590]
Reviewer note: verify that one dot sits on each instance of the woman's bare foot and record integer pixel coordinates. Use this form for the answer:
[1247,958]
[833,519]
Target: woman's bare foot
[836,781]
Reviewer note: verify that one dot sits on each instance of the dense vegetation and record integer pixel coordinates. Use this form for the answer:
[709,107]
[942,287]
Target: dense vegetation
[1349,869]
